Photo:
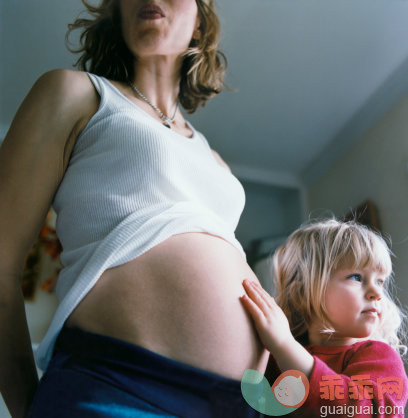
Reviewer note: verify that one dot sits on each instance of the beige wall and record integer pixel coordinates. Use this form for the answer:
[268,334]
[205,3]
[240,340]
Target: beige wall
[376,169]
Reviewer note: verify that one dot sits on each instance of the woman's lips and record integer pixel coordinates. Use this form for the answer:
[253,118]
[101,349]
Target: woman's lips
[151,11]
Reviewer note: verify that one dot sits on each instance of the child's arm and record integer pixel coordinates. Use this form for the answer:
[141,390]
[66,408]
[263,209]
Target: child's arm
[274,331]
[372,382]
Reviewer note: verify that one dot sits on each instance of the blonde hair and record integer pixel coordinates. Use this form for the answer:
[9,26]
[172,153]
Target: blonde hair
[304,264]
[104,52]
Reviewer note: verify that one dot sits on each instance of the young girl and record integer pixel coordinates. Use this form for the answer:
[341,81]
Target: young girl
[334,320]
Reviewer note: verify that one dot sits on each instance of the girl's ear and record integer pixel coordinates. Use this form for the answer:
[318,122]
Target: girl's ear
[197,35]
[197,32]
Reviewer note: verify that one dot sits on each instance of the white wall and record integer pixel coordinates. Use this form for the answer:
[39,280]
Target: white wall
[270,211]
[375,168]
[32,41]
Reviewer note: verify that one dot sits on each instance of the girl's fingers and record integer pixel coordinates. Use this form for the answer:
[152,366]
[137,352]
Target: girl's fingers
[269,300]
[252,308]
[256,296]
[257,288]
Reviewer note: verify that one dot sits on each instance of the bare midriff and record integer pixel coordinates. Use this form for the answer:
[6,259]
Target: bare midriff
[181,300]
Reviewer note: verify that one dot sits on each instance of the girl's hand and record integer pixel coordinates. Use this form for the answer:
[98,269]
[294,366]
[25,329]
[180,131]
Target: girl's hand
[270,321]
[274,331]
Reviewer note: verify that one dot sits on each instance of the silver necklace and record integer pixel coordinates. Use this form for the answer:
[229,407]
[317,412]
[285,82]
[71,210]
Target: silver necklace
[166,120]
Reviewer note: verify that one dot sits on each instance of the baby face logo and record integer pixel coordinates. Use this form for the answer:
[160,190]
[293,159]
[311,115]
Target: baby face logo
[288,393]
[289,388]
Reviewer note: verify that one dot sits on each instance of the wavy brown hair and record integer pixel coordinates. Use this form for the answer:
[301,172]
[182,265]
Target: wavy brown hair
[104,51]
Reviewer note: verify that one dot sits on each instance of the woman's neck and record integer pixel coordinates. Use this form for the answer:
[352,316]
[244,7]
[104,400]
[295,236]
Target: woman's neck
[158,78]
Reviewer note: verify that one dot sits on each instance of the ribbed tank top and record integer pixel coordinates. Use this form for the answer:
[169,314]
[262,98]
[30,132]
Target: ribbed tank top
[130,184]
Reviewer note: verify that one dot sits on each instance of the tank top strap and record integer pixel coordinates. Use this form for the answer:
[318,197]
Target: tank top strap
[97,81]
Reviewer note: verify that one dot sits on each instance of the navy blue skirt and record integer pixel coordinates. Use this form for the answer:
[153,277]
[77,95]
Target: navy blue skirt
[92,375]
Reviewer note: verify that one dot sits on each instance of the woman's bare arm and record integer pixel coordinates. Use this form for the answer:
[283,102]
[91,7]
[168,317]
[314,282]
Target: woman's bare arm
[33,159]
[220,161]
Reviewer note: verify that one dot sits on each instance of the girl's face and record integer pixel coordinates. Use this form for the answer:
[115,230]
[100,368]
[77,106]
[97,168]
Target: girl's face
[158,27]
[353,303]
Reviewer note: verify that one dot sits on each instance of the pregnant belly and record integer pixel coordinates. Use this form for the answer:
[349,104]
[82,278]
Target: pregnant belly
[181,300]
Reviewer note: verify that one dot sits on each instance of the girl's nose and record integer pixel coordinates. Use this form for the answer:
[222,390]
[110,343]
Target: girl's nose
[374,293]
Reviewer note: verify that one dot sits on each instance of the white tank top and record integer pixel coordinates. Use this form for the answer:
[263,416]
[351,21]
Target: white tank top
[131,183]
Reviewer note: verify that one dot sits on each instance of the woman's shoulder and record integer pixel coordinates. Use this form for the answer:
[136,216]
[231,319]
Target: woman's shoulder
[70,92]
[64,74]
[65,82]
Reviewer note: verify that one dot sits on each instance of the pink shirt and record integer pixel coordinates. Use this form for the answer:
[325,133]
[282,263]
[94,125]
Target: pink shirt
[333,392]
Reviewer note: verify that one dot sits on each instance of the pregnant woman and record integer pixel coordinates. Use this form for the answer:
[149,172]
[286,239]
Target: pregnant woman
[149,322]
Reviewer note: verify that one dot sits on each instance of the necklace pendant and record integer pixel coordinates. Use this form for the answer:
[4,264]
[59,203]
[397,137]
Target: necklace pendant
[166,120]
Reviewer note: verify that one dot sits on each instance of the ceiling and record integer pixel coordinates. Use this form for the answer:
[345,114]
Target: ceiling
[311,76]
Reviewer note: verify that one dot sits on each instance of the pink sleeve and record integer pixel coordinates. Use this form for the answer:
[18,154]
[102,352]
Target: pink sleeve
[373,362]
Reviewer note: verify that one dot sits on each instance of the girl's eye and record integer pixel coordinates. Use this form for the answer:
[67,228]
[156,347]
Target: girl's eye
[380,282]
[355,277]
